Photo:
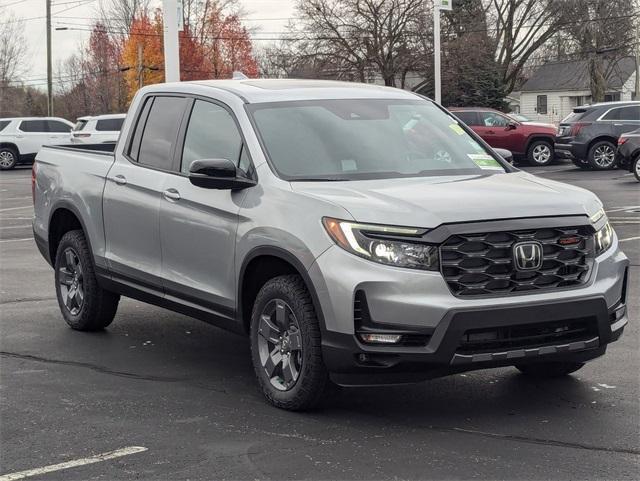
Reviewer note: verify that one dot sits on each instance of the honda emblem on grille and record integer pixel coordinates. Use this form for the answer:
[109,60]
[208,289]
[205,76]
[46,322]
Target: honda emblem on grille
[527,256]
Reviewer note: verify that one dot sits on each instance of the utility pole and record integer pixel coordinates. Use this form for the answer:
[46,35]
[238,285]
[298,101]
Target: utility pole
[637,89]
[140,67]
[49,68]
[171,45]
[437,6]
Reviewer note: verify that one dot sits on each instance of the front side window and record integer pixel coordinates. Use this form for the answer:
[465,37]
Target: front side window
[109,125]
[541,104]
[366,139]
[160,132]
[57,126]
[211,134]
[492,119]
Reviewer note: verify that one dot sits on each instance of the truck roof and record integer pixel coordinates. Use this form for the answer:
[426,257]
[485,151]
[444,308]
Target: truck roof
[279,90]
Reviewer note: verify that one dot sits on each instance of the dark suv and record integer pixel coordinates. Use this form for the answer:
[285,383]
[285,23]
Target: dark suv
[588,136]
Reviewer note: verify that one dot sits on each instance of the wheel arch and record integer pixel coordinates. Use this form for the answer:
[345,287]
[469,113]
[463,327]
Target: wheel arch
[535,137]
[64,218]
[10,145]
[262,264]
[601,138]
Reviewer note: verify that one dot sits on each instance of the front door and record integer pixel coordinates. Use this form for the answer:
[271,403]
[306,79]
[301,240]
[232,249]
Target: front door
[197,225]
[133,191]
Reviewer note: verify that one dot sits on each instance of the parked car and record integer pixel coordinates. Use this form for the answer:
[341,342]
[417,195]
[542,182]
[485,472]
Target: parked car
[21,138]
[628,153]
[356,233]
[588,136]
[530,141]
[96,130]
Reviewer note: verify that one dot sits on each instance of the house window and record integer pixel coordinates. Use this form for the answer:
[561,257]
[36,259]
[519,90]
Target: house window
[612,97]
[541,102]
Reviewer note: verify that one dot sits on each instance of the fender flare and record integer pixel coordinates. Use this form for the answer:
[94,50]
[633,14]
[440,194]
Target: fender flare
[288,257]
[67,205]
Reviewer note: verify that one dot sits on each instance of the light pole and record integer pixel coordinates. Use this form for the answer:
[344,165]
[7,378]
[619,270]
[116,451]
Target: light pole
[49,63]
[437,6]
[171,44]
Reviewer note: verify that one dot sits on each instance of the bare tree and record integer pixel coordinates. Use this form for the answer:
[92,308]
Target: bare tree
[13,52]
[118,15]
[603,33]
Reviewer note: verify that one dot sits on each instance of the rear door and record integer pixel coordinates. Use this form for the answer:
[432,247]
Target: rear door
[58,132]
[131,201]
[198,225]
[32,134]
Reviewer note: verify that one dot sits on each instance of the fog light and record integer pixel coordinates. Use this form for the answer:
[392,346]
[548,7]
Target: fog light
[371,338]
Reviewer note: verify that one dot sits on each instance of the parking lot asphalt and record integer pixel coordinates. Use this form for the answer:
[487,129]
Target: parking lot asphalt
[185,391]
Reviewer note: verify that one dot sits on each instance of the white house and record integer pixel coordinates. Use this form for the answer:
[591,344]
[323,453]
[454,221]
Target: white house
[556,88]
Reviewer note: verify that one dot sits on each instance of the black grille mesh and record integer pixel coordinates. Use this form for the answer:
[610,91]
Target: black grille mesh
[482,264]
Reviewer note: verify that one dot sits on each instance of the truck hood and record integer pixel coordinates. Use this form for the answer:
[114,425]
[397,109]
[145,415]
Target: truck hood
[540,124]
[430,201]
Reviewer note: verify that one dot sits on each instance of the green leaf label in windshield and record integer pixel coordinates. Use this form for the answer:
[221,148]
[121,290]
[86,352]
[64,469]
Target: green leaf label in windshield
[485,161]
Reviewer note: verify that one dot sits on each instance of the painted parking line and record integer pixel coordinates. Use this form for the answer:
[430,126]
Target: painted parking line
[629,239]
[118,453]
[17,208]
[17,240]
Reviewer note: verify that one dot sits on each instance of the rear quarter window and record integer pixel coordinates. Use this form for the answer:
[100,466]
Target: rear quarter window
[3,124]
[81,124]
[109,125]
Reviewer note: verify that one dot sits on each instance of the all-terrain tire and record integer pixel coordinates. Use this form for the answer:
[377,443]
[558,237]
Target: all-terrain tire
[313,377]
[85,305]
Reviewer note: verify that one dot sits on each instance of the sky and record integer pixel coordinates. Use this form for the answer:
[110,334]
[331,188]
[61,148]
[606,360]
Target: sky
[264,15]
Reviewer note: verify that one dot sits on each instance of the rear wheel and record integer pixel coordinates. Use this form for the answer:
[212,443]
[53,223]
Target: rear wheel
[85,306]
[636,168]
[285,345]
[549,369]
[602,155]
[540,153]
[8,158]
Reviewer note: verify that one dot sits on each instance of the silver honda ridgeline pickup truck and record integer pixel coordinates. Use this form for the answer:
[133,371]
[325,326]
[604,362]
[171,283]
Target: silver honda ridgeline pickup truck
[358,234]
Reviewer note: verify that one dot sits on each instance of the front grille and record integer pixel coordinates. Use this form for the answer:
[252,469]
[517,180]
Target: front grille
[527,336]
[482,264]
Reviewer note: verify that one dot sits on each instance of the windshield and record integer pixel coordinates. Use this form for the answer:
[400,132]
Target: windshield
[519,118]
[366,139]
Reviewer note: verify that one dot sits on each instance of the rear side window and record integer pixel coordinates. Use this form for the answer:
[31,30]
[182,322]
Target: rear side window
[33,126]
[469,118]
[212,134]
[109,125]
[57,126]
[623,113]
[161,131]
[80,124]
[3,124]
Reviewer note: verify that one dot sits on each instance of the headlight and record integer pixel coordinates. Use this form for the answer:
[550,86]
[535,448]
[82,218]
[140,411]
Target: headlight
[383,244]
[604,239]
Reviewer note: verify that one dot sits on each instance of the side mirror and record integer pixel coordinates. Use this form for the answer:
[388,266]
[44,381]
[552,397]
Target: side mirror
[511,126]
[217,174]
[505,154]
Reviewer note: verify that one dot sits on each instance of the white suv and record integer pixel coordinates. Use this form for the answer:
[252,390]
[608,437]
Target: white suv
[21,138]
[97,130]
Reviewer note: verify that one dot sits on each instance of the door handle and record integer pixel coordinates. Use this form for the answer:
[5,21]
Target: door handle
[490,131]
[119,179]
[171,194]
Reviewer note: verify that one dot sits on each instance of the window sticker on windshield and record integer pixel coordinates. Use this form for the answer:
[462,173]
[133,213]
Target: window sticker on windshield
[457,129]
[476,146]
[485,161]
[349,165]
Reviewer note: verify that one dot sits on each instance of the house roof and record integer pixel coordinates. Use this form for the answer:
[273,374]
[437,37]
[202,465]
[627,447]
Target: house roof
[574,75]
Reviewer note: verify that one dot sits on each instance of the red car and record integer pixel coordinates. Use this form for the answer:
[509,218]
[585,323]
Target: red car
[529,141]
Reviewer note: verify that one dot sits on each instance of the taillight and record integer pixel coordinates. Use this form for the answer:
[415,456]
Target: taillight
[33,181]
[622,140]
[577,127]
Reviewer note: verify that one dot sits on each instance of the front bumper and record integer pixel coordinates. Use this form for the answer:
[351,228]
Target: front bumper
[420,303]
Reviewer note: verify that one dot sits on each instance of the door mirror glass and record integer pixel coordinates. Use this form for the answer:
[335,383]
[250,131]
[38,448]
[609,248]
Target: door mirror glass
[505,154]
[217,174]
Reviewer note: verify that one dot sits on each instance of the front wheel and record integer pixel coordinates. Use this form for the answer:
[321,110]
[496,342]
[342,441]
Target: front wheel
[636,168]
[285,345]
[8,158]
[549,369]
[85,305]
[540,153]
[602,155]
